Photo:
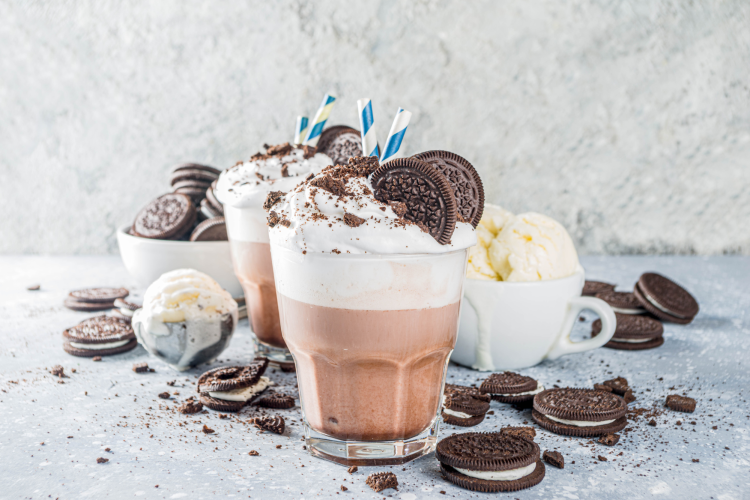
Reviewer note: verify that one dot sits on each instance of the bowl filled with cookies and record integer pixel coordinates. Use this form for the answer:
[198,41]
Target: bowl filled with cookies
[181,229]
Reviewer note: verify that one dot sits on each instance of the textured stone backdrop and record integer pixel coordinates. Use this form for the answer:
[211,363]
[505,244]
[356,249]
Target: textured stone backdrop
[628,121]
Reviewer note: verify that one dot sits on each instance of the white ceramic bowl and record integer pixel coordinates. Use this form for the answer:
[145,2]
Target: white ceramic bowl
[147,259]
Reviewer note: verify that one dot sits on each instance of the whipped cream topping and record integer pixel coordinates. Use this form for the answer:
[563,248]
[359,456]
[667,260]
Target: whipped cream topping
[501,475]
[97,347]
[579,423]
[244,393]
[246,184]
[314,219]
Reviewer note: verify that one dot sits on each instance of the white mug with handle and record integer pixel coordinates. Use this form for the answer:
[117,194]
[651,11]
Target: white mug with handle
[512,325]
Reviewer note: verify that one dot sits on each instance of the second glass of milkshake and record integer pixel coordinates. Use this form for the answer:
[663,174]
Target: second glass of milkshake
[369,281]
[243,189]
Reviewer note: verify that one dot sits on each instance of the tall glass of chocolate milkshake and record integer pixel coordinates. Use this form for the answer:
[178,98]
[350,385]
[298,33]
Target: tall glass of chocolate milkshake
[369,264]
[243,189]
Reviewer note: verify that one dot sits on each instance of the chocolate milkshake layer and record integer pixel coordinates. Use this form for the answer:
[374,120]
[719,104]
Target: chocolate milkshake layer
[242,189]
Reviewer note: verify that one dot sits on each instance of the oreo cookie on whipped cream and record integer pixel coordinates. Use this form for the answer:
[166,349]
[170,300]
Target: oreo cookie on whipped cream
[509,387]
[340,208]
[464,406]
[579,412]
[230,388]
[490,462]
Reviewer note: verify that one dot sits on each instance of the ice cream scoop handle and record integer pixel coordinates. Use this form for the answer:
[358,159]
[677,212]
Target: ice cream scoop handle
[564,345]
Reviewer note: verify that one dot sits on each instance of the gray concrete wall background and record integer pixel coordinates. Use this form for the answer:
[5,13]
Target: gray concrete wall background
[627,121]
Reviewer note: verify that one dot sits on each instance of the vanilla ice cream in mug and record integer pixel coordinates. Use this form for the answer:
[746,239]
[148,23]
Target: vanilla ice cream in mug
[523,294]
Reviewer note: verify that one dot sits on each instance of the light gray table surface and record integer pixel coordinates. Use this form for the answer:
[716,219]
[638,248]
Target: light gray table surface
[107,405]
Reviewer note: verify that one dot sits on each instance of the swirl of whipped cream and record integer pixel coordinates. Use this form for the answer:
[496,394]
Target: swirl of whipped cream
[314,219]
[246,184]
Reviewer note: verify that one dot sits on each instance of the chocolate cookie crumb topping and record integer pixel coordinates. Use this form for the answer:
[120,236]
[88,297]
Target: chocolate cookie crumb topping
[380,481]
[272,199]
[352,220]
[271,424]
[554,458]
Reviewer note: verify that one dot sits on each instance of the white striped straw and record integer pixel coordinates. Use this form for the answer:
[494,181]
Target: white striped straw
[367,128]
[300,130]
[313,133]
[396,135]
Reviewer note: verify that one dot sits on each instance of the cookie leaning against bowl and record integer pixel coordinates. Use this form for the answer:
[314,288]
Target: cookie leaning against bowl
[229,388]
[579,412]
[99,336]
[464,179]
[509,387]
[464,406]
[423,190]
[94,299]
[633,332]
[665,299]
[490,462]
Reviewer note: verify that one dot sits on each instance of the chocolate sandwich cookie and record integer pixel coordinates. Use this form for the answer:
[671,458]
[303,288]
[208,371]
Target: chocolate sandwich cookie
[622,302]
[212,200]
[189,183]
[207,210]
[94,299]
[99,336]
[591,288]
[168,217]
[197,166]
[192,174]
[509,387]
[210,230]
[275,400]
[423,191]
[633,332]
[340,143]
[117,314]
[665,299]
[464,179]
[490,462]
[464,406]
[230,388]
[196,194]
[579,412]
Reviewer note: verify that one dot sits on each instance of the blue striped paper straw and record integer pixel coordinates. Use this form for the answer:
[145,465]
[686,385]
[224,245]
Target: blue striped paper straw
[313,133]
[367,128]
[300,129]
[396,135]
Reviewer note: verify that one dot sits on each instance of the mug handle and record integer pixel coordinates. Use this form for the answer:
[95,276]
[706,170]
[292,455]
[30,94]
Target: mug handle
[565,346]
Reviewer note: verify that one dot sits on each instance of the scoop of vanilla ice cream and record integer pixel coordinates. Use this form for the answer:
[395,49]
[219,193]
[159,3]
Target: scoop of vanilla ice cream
[186,294]
[533,247]
[494,218]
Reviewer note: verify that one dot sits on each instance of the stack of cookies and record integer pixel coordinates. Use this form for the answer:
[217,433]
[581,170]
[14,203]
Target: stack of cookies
[190,213]
[639,313]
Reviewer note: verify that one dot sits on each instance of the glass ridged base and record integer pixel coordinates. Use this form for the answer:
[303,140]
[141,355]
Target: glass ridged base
[364,453]
[278,355]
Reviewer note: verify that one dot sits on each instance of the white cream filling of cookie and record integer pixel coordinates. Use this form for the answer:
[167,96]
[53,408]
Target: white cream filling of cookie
[580,423]
[659,307]
[98,347]
[243,394]
[458,414]
[628,311]
[500,475]
[539,388]
[126,312]
[632,341]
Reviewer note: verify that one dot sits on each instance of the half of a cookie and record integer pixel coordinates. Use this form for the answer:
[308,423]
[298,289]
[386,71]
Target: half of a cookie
[230,388]
[99,336]
[579,412]
[464,406]
[490,462]
[509,387]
